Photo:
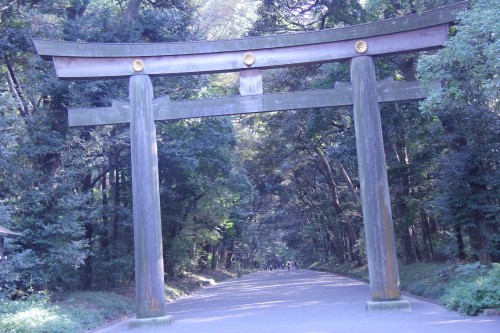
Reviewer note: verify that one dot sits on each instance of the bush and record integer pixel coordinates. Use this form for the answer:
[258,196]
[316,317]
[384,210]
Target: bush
[417,288]
[434,292]
[475,293]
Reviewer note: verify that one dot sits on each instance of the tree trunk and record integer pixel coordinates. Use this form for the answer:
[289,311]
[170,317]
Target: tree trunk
[405,213]
[203,261]
[337,245]
[348,180]
[77,9]
[16,89]
[427,234]
[410,252]
[460,242]
[229,256]
[87,276]
[336,204]
[104,236]
[132,12]
[116,211]
[213,263]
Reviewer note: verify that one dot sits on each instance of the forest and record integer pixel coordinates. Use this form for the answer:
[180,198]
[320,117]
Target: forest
[247,190]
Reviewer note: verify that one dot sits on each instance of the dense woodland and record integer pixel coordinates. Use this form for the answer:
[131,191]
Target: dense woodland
[243,190]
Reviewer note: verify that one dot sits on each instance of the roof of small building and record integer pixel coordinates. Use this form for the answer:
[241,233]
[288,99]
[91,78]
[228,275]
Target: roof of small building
[6,233]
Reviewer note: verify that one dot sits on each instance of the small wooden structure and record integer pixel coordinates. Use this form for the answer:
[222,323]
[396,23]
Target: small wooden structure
[5,233]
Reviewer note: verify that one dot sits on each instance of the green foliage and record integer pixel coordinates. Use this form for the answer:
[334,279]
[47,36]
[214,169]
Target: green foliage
[185,284]
[478,289]
[261,194]
[75,313]
[467,108]
[427,279]
[35,315]
[445,246]
[98,306]
[199,173]
[467,288]
[303,15]
[386,8]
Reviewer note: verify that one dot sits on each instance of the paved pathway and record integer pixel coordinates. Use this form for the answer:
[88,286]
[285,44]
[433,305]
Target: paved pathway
[303,301]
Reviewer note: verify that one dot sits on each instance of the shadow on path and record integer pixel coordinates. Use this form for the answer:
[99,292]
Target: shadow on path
[303,301]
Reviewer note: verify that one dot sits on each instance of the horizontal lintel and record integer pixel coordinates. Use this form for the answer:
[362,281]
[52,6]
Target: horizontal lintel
[163,109]
[400,42]
[442,15]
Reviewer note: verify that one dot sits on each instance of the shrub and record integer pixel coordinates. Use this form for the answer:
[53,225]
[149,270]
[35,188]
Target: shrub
[434,292]
[477,293]
[417,288]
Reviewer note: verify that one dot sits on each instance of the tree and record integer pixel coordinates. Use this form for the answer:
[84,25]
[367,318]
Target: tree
[467,194]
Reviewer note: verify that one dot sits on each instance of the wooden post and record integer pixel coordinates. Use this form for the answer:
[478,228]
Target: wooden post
[149,278]
[377,216]
[1,248]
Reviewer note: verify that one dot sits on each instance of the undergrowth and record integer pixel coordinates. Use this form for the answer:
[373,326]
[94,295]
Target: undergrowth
[35,314]
[464,287]
[83,310]
[476,289]
[179,286]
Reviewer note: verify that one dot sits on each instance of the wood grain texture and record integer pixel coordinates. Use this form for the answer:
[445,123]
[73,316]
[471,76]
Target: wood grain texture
[251,82]
[164,109]
[108,67]
[148,248]
[443,15]
[375,200]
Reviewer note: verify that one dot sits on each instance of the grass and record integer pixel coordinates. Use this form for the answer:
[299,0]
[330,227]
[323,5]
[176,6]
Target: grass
[92,308]
[348,269]
[176,287]
[427,279]
[467,288]
[35,314]
[83,310]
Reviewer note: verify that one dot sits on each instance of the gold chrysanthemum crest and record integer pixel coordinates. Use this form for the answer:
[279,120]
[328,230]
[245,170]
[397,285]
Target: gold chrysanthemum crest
[138,66]
[249,59]
[361,46]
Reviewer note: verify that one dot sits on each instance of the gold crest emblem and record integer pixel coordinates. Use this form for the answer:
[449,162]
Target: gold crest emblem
[138,66]
[361,46]
[248,59]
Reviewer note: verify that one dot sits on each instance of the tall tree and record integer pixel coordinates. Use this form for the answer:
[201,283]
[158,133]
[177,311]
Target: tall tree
[467,107]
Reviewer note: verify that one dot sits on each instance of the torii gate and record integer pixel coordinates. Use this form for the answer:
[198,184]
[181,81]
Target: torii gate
[249,56]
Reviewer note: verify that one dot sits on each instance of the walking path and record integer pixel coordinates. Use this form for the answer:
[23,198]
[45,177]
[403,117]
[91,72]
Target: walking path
[303,301]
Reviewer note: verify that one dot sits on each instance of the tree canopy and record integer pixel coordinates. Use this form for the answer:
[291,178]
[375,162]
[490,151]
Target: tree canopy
[255,189]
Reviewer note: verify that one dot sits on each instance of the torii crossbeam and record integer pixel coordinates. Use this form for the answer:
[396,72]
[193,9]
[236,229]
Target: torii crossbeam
[249,56]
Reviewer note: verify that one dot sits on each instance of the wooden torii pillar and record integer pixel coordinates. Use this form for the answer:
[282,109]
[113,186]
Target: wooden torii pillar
[249,56]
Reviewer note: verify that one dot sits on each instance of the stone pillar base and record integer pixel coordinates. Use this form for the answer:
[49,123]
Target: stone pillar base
[156,321]
[388,306]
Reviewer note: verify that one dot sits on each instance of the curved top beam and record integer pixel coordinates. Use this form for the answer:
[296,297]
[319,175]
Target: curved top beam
[443,15]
